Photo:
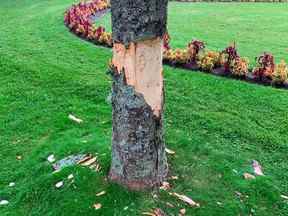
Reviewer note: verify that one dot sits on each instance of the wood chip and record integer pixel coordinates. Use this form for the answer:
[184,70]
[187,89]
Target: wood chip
[101,193]
[97,206]
[174,177]
[11,184]
[92,166]
[75,119]
[51,158]
[71,176]
[182,211]
[148,213]
[159,212]
[87,157]
[155,212]
[4,202]
[186,199]
[97,168]
[59,184]
[18,157]
[170,205]
[89,162]
[284,197]
[165,186]
[169,151]
[219,203]
[257,168]
[248,176]
[238,193]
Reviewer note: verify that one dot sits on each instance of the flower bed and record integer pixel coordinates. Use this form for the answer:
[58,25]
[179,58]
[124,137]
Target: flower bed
[80,18]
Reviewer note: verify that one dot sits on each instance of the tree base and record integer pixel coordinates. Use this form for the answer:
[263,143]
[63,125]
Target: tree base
[138,151]
[135,185]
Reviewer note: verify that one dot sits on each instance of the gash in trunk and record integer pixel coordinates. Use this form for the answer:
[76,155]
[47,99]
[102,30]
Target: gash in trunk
[138,150]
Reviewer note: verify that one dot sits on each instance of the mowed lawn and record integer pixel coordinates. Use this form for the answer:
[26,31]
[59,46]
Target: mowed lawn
[215,125]
[255,27]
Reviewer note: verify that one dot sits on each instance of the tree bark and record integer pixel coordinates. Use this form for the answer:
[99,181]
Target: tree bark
[138,150]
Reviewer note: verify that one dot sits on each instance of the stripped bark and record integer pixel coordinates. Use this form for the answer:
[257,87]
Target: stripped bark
[138,150]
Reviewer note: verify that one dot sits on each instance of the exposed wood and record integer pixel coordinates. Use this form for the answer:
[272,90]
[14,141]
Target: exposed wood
[138,150]
[142,63]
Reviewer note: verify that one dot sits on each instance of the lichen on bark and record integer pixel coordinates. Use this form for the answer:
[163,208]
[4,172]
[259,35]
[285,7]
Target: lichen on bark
[138,150]
[134,20]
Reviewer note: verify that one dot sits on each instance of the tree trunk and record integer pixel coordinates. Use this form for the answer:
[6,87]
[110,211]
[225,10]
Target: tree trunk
[138,150]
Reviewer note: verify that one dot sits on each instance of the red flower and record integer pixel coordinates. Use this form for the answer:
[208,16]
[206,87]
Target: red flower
[99,31]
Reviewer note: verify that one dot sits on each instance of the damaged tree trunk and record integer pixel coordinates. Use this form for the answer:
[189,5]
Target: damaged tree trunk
[138,150]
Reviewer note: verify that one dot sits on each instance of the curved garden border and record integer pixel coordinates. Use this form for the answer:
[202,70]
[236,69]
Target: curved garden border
[79,18]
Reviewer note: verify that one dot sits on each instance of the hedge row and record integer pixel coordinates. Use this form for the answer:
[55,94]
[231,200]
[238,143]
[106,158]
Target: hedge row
[80,20]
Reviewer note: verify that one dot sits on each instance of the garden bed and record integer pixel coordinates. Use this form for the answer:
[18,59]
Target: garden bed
[228,63]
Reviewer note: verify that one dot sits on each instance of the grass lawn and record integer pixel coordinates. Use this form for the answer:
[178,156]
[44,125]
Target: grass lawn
[255,27]
[215,125]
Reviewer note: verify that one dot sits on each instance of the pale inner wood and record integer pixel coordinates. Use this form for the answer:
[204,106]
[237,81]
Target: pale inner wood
[142,63]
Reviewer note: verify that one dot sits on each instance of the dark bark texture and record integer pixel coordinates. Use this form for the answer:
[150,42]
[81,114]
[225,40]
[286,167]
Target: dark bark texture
[138,151]
[134,20]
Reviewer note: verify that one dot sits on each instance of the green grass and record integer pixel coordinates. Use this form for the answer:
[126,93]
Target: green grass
[214,124]
[255,27]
